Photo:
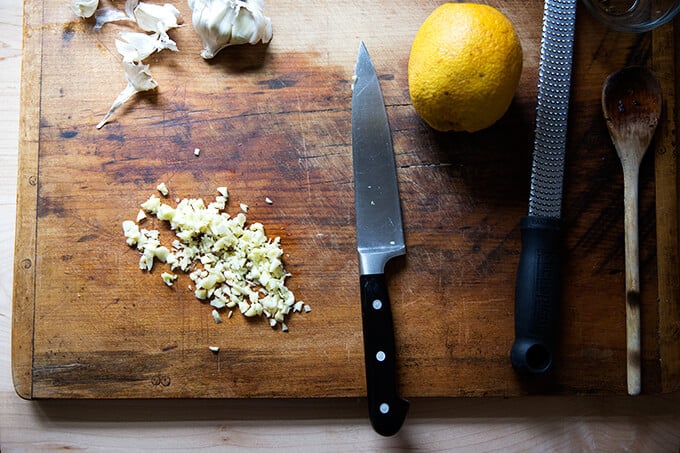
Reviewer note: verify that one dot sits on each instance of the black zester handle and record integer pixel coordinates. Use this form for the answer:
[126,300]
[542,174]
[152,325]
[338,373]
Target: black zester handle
[537,295]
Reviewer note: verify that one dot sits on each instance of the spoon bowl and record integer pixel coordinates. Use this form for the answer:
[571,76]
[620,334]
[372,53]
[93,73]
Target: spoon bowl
[631,103]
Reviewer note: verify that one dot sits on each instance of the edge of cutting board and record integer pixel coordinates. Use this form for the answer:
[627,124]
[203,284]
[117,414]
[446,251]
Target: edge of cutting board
[667,67]
[27,198]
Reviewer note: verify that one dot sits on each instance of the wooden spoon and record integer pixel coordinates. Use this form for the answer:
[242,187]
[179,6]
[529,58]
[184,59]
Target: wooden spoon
[631,103]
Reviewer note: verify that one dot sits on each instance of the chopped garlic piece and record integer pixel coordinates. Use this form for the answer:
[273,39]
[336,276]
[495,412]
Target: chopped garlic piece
[165,212]
[168,278]
[163,189]
[222,23]
[197,152]
[152,204]
[138,79]
[216,316]
[214,349]
[307,308]
[268,200]
[161,253]
[355,78]
[141,215]
[131,232]
[244,207]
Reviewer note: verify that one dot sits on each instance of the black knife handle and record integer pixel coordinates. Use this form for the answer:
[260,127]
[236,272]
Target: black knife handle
[537,295]
[386,409]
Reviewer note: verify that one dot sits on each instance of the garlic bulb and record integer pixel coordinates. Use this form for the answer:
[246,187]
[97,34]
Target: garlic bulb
[222,23]
[84,8]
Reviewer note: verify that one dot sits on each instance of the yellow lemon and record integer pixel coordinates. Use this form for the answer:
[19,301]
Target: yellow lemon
[464,67]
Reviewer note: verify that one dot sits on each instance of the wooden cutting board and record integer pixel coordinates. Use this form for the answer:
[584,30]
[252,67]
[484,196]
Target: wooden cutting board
[274,121]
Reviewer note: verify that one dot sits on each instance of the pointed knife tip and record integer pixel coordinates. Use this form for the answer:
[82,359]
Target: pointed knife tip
[363,58]
[362,47]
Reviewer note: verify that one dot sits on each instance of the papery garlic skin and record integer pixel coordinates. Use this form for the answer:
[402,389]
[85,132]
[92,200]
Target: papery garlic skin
[157,18]
[135,47]
[84,8]
[107,14]
[148,16]
[222,23]
[139,79]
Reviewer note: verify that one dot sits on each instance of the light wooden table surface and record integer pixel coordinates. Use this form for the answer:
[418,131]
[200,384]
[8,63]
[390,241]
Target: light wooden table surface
[648,423]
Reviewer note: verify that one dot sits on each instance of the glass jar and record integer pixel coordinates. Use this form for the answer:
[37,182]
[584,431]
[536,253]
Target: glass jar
[633,16]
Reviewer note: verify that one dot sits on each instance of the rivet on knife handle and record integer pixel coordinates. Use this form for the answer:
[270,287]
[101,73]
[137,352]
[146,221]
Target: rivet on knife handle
[538,288]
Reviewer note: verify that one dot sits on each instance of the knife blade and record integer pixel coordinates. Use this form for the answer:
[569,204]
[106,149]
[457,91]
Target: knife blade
[380,237]
[538,284]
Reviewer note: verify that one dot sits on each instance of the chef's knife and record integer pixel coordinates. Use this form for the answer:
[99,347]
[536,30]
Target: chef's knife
[538,285]
[380,237]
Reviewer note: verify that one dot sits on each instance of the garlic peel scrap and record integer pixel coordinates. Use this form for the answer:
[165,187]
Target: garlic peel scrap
[105,15]
[156,18]
[138,79]
[135,47]
[84,8]
[222,23]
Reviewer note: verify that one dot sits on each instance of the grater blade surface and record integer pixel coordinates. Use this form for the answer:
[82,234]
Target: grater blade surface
[554,80]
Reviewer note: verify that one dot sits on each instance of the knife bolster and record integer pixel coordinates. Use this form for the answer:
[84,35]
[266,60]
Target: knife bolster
[372,260]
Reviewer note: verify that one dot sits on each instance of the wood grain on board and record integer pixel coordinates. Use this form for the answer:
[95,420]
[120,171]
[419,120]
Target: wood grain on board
[274,121]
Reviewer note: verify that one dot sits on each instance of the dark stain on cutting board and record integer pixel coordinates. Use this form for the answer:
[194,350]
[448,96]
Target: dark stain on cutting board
[274,121]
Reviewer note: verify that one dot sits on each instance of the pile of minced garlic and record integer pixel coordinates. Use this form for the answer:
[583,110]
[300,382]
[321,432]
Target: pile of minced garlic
[231,264]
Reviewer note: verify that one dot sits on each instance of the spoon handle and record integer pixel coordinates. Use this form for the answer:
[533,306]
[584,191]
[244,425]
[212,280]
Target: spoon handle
[633,352]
